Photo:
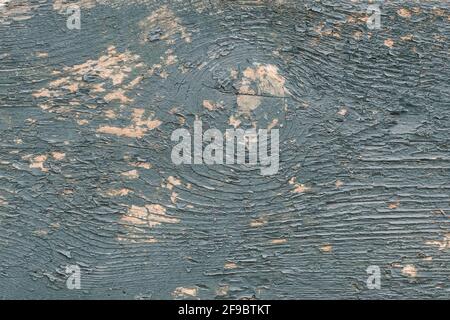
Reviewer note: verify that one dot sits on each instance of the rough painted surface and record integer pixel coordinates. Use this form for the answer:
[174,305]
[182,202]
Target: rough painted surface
[86,176]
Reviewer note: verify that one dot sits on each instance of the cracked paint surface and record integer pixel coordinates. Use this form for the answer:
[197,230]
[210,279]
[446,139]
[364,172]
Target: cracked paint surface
[86,176]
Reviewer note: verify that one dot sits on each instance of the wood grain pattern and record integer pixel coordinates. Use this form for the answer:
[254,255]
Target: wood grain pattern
[86,176]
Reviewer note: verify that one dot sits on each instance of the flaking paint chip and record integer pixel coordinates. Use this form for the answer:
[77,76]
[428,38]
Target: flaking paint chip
[389,43]
[404,13]
[185,292]
[409,270]
[326,248]
[278,241]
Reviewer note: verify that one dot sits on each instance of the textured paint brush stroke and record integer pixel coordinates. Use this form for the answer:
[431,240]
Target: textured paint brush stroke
[86,176]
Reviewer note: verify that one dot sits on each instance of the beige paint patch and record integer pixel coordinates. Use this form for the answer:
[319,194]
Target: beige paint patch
[180,292]
[256,223]
[247,103]
[135,238]
[394,205]
[389,43]
[37,162]
[234,74]
[300,188]
[168,22]
[342,112]
[151,215]
[404,13]
[117,95]
[42,93]
[272,124]
[3,202]
[174,197]
[170,59]
[136,215]
[40,232]
[82,122]
[234,122]
[143,165]
[222,290]
[113,66]
[138,220]
[357,35]
[132,174]
[133,83]
[110,114]
[257,82]
[230,265]
[73,87]
[442,244]
[16,10]
[139,127]
[58,155]
[161,68]
[327,248]
[409,270]
[112,70]
[338,183]
[3,3]
[171,182]
[129,132]
[278,241]
[208,104]
[41,54]
[67,192]
[118,192]
[139,121]
[62,5]
[408,37]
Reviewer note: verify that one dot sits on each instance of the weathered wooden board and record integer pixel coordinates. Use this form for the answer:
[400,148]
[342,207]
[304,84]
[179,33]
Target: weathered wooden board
[86,176]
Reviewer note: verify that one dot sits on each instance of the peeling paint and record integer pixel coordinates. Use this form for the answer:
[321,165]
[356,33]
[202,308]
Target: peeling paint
[185,292]
[169,24]
[86,175]
[151,215]
[409,271]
